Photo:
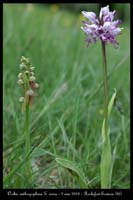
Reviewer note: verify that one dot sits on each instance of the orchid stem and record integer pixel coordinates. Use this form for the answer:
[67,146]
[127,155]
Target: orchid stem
[106,148]
[27,142]
[105,87]
[27,133]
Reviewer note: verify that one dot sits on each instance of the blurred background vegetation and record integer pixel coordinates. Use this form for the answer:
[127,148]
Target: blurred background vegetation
[123,10]
[67,114]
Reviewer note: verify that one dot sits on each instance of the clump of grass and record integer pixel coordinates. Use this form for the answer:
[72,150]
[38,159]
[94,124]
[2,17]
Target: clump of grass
[64,123]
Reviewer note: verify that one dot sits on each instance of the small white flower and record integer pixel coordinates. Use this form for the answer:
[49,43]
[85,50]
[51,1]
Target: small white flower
[22,66]
[26,72]
[21,99]
[29,92]
[22,58]
[32,73]
[20,75]
[32,78]
[27,60]
[20,82]
[32,68]
[36,85]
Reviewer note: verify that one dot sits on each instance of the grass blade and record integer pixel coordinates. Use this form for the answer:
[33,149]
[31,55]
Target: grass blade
[71,166]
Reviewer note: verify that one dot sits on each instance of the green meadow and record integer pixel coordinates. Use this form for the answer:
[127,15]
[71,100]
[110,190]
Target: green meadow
[67,113]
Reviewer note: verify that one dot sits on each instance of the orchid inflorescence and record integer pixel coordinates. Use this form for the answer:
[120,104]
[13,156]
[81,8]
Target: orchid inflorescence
[102,27]
[26,78]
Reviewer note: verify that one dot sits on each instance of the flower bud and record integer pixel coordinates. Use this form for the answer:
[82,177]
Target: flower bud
[26,72]
[22,66]
[20,75]
[32,68]
[32,73]
[21,99]
[29,92]
[20,82]
[25,60]
[22,59]
[36,85]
